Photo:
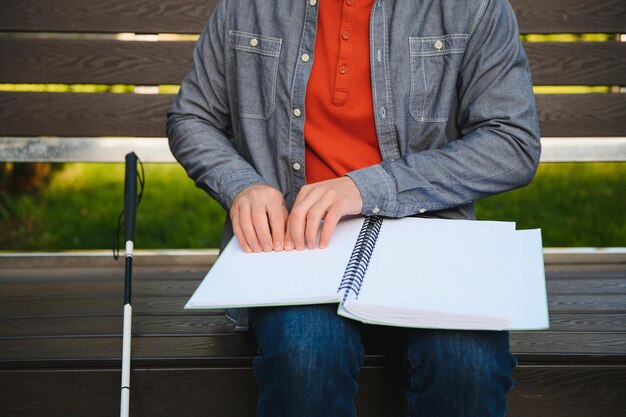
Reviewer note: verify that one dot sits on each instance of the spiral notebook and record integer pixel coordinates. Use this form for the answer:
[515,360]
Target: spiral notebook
[410,272]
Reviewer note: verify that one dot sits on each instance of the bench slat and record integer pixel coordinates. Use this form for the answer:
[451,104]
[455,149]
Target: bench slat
[24,149]
[570,16]
[72,61]
[577,63]
[107,305]
[84,114]
[150,63]
[108,16]
[529,346]
[216,324]
[539,391]
[113,286]
[189,16]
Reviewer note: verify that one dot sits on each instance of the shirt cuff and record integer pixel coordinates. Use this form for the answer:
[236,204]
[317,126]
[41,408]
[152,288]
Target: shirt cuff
[232,185]
[377,189]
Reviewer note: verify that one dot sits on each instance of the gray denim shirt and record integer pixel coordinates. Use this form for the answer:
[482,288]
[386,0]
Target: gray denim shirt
[452,93]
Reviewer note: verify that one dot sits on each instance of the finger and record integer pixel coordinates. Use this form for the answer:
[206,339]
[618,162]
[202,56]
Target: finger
[289,246]
[330,223]
[297,223]
[277,215]
[245,220]
[313,220]
[243,243]
[261,227]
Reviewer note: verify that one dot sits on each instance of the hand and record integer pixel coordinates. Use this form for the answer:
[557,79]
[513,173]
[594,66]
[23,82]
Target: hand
[259,216]
[327,200]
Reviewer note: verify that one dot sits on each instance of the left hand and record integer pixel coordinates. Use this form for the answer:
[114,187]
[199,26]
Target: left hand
[327,200]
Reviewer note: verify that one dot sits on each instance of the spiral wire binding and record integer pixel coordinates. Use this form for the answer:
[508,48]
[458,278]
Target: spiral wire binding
[359,260]
[120,219]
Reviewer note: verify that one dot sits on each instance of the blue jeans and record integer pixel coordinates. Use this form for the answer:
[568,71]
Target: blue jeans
[309,359]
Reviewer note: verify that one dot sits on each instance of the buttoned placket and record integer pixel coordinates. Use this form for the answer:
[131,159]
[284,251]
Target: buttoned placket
[381,83]
[301,77]
[342,72]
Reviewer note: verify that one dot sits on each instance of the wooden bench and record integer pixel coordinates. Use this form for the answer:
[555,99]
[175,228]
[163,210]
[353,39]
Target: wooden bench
[60,316]
[60,346]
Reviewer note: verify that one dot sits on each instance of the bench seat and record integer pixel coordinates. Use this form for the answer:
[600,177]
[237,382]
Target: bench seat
[60,348]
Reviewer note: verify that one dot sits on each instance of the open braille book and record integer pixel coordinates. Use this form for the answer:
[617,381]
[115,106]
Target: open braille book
[410,272]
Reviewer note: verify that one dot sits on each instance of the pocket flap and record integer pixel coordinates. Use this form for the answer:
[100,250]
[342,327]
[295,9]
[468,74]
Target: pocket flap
[437,45]
[255,43]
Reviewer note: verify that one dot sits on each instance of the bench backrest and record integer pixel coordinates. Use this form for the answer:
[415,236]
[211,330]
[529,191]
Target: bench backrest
[82,42]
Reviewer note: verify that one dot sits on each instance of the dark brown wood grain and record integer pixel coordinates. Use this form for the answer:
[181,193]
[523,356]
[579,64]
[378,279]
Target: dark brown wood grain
[557,391]
[145,305]
[77,114]
[139,16]
[151,63]
[577,63]
[216,323]
[535,346]
[65,345]
[570,16]
[189,16]
[93,61]
[582,114]
[183,285]
[94,325]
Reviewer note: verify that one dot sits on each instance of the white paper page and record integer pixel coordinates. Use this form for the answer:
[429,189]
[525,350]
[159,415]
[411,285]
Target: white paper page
[456,267]
[529,303]
[240,279]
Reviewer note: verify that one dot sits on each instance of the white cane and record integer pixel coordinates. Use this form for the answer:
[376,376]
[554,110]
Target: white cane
[130,209]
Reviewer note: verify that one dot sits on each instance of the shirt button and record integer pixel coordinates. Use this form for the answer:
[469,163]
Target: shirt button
[345,35]
[297,112]
[349,2]
[254,42]
[438,45]
[343,69]
[297,166]
[422,210]
[375,210]
[313,2]
[305,57]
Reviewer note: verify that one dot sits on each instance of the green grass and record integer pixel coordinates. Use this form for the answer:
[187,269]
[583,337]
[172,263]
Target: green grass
[79,209]
[574,204]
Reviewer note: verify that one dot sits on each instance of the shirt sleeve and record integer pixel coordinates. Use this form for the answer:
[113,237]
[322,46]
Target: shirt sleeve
[199,125]
[500,145]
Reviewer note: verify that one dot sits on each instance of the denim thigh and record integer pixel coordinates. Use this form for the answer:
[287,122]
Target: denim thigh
[308,361]
[452,373]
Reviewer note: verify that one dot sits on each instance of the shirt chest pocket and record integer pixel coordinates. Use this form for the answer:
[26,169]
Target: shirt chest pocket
[435,63]
[255,60]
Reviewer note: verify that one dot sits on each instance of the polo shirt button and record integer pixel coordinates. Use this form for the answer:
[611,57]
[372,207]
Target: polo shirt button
[375,210]
[343,69]
[297,112]
[313,2]
[350,2]
[297,166]
[254,42]
[345,35]
[305,57]
[438,45]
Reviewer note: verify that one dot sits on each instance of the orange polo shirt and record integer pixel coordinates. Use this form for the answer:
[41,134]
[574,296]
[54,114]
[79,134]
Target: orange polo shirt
[339,130]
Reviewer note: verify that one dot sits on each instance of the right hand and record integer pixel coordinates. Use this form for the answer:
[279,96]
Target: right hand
[259,218]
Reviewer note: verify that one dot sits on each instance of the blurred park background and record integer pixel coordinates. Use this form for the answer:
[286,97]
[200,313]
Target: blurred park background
[69,206]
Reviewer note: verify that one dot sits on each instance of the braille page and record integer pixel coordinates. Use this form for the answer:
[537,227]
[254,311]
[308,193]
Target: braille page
[529,304]
[240,279]
[439,273]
